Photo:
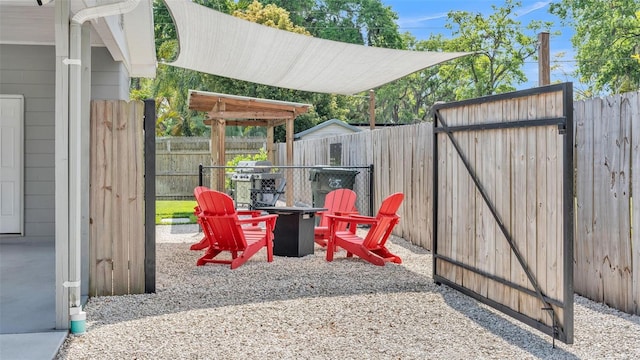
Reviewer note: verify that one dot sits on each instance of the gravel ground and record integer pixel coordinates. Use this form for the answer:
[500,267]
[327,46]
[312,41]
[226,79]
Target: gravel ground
[306,308]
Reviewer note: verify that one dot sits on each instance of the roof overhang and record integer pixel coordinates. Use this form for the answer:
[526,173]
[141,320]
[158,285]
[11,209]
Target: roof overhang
[129,38]
[220,44]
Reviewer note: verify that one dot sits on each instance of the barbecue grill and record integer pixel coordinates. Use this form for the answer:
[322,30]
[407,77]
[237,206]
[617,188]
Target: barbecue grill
[256,184]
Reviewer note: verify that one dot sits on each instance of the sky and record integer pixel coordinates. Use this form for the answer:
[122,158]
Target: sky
[425,17]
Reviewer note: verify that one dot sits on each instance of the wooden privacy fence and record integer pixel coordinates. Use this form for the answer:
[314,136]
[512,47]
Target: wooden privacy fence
[402,161]
[607,243]
[607,235]
[117,231]
[177,160]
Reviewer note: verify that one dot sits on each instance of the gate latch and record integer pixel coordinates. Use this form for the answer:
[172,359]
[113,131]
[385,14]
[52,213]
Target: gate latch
[562,128]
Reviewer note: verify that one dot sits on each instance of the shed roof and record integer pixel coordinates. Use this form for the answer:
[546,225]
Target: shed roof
[325,124]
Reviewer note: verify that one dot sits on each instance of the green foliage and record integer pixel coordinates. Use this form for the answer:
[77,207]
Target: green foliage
[231,164]
[271,16]
[499,45]
[607,36]
[262,155]
[366,22]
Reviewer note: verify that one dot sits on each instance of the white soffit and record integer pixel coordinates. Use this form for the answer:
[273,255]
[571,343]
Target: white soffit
[219,44]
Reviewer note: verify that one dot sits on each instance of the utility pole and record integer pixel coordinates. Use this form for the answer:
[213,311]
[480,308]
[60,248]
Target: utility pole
[544,69]
[372,109]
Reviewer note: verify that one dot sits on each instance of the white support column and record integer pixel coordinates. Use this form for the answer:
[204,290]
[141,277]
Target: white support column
[85,135]
[62,15]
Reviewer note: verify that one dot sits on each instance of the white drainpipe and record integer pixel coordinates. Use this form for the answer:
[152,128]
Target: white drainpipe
[78,317]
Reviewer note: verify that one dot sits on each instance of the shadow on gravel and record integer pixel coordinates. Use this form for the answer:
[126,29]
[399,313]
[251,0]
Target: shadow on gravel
[528,339]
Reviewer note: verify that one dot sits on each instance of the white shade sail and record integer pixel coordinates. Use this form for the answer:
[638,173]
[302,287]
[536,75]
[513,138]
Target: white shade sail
[216,43]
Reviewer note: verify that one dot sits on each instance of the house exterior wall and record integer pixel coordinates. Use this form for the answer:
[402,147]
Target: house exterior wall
[331,130]
[29,70]
[109,79]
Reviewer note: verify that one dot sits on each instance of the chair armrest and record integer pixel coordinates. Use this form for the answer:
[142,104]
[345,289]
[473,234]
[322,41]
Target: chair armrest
[357,219]
[347,213]
[253,213]
[258,219]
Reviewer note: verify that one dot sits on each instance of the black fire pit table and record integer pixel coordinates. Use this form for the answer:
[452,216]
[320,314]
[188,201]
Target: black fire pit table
[293,235]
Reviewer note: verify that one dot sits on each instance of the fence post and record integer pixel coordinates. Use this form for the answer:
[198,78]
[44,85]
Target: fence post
[150,196]
[371,189]
[200,180]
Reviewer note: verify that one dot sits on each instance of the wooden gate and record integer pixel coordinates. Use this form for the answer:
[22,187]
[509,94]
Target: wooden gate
[117,212]
[503,209]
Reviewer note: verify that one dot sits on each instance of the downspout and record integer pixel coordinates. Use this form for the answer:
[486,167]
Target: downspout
[78,317]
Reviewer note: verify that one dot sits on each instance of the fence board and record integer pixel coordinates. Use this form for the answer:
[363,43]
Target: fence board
[117,198]
[634,101]
[135,199]
[118,218]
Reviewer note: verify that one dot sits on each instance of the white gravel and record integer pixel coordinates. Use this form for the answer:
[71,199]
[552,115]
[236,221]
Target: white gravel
[307,308]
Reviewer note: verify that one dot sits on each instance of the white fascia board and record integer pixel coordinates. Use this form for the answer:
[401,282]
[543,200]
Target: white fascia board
[130,39]
[138,27]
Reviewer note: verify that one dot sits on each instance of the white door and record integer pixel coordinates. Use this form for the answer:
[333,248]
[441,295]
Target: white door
[11,158]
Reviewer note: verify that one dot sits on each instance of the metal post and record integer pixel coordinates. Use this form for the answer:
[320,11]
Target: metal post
[371,189]
[150,196]
[200,177]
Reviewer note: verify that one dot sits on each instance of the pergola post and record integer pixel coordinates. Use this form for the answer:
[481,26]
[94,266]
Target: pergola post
[269,144]
[289,174]
[221,153]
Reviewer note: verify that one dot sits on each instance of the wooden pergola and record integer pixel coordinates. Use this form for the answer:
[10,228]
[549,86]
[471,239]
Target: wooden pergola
[234,110]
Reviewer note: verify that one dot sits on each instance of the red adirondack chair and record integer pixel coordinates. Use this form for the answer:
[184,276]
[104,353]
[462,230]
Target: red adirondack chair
[204,242]
[372,247]
[224,232]
[338,202]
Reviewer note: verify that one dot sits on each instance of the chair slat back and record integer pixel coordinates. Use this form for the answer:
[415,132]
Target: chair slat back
[336,201]
[221,220]
[387,219]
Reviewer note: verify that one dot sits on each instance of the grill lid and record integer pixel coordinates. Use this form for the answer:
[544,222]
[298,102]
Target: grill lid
[254,166]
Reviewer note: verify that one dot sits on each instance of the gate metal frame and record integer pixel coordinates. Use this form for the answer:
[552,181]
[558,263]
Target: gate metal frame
[565,127]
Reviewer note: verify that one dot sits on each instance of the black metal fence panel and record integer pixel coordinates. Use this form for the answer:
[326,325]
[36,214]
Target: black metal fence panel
[267,185]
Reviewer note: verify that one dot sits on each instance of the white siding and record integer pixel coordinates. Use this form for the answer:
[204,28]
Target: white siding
[109,79]
[30,71]
[326,131]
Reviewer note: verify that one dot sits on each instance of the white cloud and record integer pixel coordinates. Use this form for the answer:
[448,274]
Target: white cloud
[533,7]
[409,22]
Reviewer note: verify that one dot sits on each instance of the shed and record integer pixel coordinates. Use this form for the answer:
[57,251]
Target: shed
[328,128]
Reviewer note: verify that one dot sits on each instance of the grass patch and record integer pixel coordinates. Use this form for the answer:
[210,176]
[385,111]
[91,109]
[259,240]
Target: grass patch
[171,209]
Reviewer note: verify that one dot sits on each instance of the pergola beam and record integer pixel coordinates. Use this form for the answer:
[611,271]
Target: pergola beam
[246,115]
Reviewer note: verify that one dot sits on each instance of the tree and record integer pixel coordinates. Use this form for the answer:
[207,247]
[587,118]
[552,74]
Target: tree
[271,16]
[500,48]
[410,98]
[606,38]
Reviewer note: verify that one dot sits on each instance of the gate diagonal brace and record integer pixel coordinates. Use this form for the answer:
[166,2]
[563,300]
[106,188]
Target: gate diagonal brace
[547,306]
